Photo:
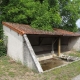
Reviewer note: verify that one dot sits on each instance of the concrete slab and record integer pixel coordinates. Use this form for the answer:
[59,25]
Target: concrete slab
[44,56]
[76,78]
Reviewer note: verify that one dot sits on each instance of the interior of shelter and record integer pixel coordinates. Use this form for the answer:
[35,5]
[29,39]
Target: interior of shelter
[43,44]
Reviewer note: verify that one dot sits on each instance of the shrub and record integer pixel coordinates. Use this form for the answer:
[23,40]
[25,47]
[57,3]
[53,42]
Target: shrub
[2,48]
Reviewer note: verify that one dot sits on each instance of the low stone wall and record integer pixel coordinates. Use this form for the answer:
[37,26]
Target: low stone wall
[30,58]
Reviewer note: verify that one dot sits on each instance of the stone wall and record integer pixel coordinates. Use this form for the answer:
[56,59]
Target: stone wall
[74,43]
[20,50]
[14,45]
[30,58]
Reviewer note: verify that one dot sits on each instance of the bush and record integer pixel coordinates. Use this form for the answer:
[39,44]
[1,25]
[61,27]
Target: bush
[3,49]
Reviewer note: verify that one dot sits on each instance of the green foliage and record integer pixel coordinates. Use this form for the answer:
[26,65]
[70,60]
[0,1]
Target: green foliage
[70,12]
[2,48]
[42,14]
[76,54]
[1,32]
[78,29]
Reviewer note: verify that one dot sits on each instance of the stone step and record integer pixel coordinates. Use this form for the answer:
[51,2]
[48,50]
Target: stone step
[44,56]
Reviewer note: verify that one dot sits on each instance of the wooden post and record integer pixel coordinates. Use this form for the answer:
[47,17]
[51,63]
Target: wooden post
[59,46]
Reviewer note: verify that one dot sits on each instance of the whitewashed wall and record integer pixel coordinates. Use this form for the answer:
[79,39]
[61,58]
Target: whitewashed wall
[14,45]
[74,43]
[30,58]
[18,50]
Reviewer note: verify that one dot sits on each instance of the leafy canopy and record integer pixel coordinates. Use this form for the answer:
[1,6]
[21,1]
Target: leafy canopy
[42,14]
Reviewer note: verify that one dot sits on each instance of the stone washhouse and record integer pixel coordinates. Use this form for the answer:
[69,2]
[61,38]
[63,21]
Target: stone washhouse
[26,44]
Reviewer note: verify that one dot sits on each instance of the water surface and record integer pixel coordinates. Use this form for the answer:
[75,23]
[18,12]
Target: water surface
[51,63]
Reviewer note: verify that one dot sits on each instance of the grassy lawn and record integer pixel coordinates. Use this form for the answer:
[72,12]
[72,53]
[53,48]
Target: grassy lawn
[10,70]
[77,54]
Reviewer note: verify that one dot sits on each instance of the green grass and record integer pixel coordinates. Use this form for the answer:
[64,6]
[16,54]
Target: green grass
[10,70]
[77,54]
[64,73]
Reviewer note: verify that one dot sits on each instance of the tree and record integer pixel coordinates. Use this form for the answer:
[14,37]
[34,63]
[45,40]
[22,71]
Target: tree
[34,12]
[70,12]
[47,16]
[42,14]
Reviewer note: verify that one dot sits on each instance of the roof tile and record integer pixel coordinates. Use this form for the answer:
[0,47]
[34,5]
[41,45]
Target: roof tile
[26,29]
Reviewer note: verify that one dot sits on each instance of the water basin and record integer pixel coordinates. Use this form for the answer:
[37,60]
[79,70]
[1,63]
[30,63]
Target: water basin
[51,63]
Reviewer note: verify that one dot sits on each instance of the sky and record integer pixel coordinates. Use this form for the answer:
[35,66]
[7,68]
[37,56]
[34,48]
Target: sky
[78,23]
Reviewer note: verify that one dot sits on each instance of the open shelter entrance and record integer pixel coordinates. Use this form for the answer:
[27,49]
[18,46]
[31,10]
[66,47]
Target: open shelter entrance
[49,44]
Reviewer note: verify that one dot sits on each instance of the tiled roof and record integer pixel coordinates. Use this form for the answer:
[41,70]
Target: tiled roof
[65,33]
[26,29]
